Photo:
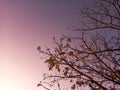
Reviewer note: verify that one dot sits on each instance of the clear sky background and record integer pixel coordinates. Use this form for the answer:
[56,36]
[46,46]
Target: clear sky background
[25,24]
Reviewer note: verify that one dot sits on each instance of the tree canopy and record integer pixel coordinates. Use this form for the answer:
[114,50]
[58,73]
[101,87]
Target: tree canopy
[88,59]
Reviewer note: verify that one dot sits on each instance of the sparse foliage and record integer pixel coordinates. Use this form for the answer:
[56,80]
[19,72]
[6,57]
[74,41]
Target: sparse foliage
[89,59]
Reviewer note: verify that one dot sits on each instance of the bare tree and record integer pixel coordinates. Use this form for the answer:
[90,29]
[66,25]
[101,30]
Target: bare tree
[103,14]
[89,59]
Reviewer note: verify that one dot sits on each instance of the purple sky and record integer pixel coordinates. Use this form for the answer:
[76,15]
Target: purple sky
[25,24]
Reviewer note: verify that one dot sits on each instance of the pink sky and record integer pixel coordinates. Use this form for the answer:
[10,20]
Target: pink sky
[25,24]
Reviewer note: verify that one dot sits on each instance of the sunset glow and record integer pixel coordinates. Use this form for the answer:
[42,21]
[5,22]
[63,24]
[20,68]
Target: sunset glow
[25,24]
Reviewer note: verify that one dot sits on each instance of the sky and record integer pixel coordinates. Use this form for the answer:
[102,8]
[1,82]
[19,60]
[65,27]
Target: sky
[25,24]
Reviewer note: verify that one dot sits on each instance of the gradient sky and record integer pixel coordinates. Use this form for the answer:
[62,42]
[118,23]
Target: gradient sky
[25,24]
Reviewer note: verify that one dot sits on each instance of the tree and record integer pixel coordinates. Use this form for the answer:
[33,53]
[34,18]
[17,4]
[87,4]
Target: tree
[89,59]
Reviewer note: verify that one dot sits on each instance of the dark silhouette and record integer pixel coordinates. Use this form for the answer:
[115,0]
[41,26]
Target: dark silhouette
[89,59]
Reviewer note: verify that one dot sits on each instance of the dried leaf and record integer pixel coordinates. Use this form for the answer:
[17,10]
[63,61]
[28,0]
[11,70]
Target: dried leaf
[70,53]
[73,87]
[84,57]
[92,50]
[38,48]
